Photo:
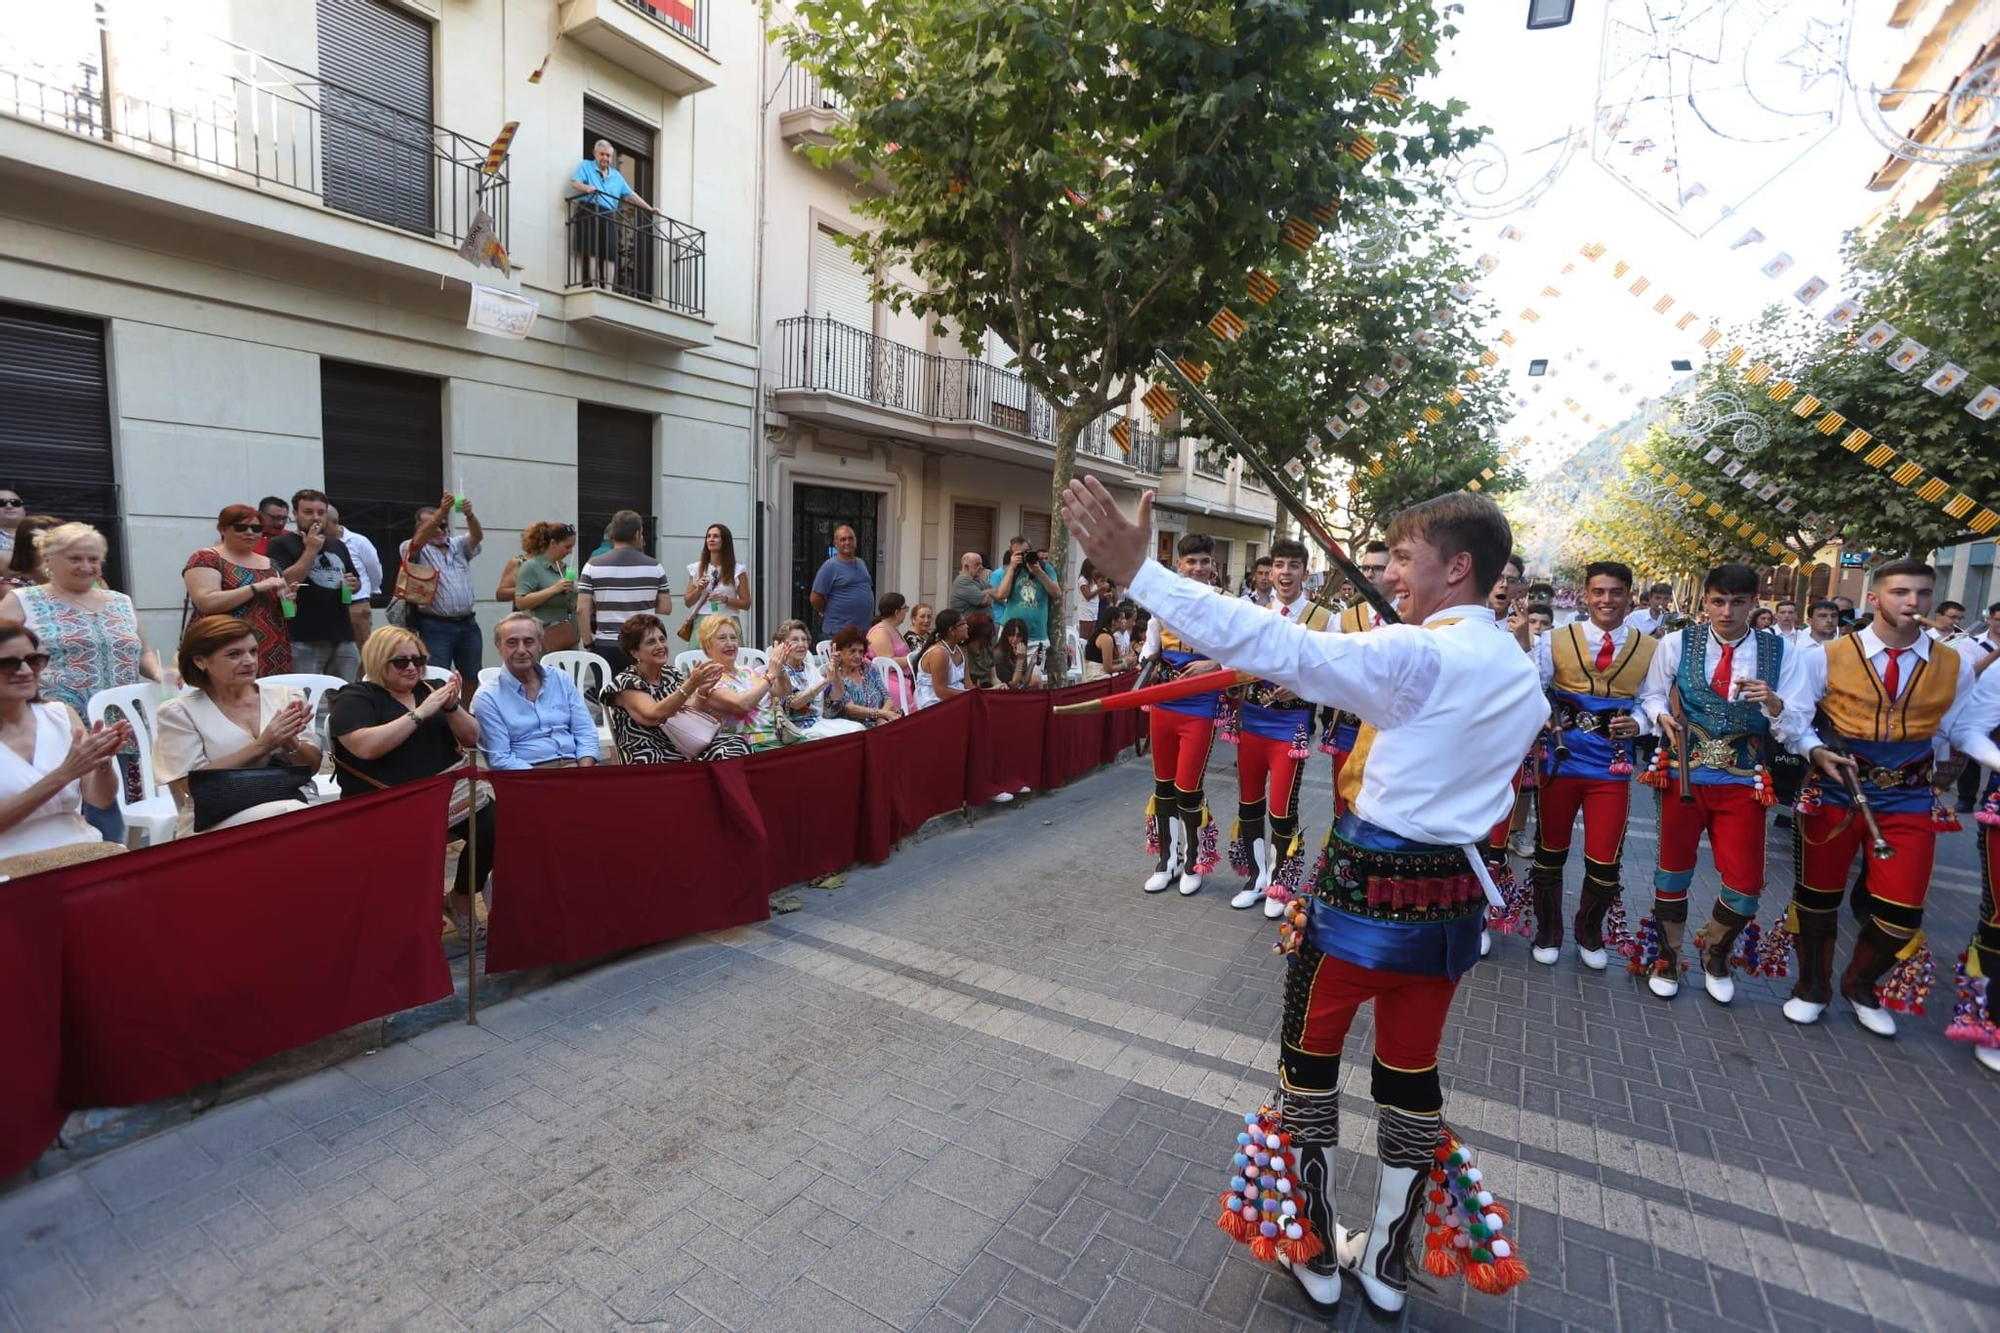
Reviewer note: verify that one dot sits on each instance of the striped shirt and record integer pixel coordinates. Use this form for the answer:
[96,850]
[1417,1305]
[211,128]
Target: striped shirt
[621,583]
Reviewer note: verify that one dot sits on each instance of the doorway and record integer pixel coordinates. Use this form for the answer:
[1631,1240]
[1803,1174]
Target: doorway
[816,512]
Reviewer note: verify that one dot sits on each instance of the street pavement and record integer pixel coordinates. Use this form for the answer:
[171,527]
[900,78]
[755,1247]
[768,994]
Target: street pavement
[992,1085]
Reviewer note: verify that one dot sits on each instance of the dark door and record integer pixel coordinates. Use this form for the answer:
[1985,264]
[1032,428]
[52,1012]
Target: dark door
[632,154]
[816,512]
[382,435]
[614,470]
[55,423]
[375,113]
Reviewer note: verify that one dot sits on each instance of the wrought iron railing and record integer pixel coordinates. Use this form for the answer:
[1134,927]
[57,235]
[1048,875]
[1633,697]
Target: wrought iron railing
[213,107]
[804,92]
[814,352]
[689,18]
[649,258]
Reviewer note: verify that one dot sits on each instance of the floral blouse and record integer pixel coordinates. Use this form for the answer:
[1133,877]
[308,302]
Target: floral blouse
[866,693]
[640,744]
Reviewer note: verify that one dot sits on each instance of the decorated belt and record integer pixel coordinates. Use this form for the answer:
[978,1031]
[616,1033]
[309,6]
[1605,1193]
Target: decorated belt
[1723,754]
[1260,692]
[1917,774]
[1431,885]
[1571,718]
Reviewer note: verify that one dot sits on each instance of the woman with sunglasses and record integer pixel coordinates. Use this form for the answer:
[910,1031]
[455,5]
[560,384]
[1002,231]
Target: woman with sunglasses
[49,766]
[395,727]
[233,578]
[544,588]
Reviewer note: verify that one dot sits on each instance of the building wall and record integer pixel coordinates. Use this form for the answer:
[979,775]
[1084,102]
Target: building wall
[218,316]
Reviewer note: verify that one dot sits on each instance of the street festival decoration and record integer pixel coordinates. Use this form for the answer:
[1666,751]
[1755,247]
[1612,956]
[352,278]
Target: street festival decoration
[500,313]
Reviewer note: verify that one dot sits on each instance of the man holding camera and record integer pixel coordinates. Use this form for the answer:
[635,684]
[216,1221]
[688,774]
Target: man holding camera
[1022,588]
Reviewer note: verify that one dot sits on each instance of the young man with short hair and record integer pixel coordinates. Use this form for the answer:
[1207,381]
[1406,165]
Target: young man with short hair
[1178,828]
[613,587]
[1715,692]
[1822,624]
[1276,737]
[324,580]
[1652,617]
[1259,590]
[1874,709]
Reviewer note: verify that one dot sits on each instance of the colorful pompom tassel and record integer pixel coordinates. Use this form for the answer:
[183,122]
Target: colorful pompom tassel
[1517,914]
[1621,761]
[1262,1207]
[1766,796]
[1944,819]
[1656,774]
[1301,740]
[1242,858]
[1208,849]
[1969,1022]
[1808,799]
[1292,925]
[1989,809]
[1617,934]
[1909,983]
[1466,1223]
[1765,953]
[1644,950]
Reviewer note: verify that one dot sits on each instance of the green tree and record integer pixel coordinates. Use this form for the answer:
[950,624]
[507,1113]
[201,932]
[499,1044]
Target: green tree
[1092,179]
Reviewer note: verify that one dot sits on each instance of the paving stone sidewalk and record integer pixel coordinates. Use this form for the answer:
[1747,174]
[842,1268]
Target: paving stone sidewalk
[990,1085]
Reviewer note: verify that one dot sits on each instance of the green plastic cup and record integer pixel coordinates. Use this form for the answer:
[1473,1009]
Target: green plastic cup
[346,594]
[291,605]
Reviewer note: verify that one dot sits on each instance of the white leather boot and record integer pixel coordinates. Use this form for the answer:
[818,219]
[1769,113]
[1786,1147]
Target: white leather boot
[1171,839]
[1253,893]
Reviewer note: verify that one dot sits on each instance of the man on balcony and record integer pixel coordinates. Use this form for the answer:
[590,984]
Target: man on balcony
[594,227]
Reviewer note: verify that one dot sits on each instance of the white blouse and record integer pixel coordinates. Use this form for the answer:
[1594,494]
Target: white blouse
[711,605]
[58,821]
[189,729]
[954,675]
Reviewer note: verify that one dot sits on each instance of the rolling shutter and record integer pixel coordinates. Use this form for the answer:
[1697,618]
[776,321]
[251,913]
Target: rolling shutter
[382,437]
[614,469]
[376,112]
[972,530]
[840,286]
[55,421]
[1035,527]
[629,138]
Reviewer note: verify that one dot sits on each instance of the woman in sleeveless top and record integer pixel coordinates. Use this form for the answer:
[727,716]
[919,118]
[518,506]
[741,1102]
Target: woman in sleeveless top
[49,764]
[885,639]
[231,578]
[941,666]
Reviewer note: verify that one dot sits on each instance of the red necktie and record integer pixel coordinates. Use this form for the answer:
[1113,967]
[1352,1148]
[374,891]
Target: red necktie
[1721,680]
[1604,654]
[1285,611]
[1892,675]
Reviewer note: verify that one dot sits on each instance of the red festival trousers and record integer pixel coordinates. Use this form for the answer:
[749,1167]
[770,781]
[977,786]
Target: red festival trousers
[1605,803]
[1262,762]
[1827,849]
[1181,746]
[1410,1012]
[1730,814]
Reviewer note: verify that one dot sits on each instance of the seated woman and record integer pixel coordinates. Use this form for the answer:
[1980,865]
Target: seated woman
[742,697]
[393,727]
[1014,659]
[801,695]
[649,692]
[885,639]
[941,666]
[1102,653]
[979,632]
[856,693]
[923,617]
[49,766]
[229,720]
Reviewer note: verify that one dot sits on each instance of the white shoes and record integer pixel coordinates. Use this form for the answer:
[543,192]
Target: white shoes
[1594,959]
[1321,1289]
[1720,989]
[1190,883]
[1246,898]
[1545,956]
[1002,798]
[1485,942]
[1664,984]
[1273,909]
[1988,1056]
[1176,838]
[1876,1020]
[1803,1011]
[1253,893]
[1393,1187]
[1522,844]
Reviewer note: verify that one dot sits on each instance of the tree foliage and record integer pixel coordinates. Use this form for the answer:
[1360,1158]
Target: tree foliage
[1091,179]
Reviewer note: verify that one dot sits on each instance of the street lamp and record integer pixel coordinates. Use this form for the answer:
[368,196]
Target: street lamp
[1550,13]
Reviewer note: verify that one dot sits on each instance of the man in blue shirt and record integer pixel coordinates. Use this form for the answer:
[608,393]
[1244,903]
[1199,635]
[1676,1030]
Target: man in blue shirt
[842,593]
[1022,587]
[532,717]
[603,188]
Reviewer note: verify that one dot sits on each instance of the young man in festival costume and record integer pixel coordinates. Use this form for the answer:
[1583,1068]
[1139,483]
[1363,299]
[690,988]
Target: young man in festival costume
[1178,828]
[1448,704]
[1977,1018]
[1594,669]
[1277,729]
[1716,690]
[1342,726]
[1880,707]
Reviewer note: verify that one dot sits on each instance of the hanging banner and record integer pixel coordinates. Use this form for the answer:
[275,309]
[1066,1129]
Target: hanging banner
[502,314]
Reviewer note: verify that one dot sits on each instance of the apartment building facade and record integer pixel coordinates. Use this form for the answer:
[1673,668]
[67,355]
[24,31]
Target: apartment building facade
[229,267]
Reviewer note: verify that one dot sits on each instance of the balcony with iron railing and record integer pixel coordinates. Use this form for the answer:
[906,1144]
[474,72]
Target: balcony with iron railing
[637,273]
[662,41]
[810,115]
[222,113]
[841,376]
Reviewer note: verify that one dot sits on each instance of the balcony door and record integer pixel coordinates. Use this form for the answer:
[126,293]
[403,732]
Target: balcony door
[382,438]
[375,113]
[632,153]
[843,347]
[614,469]
[816,512]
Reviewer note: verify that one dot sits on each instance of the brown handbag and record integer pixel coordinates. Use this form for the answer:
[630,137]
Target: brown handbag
[416,584]
[560,637]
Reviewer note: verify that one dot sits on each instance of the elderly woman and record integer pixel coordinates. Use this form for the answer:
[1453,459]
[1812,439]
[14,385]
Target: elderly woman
[801,696]
[742,697]
[90,633]
[600,188]
[649,693]
[50,767]
[941,665]
[856,693]
[395,727]
[545,583]
[228,721]
[234,578]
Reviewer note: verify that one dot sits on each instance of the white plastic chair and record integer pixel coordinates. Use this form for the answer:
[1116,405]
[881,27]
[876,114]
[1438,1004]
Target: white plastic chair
[488,677]
[887,670]
[590,674]
[1074,643]
[823,650]
[687,661]
[437,673]
[316,689]
[753,659]
[153,814]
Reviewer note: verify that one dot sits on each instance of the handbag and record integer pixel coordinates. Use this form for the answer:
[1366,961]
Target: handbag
[218,794]
[416,589]
[691,730]
[464,795]
[560,637]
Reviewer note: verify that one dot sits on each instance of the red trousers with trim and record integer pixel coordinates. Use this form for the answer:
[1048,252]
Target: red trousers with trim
[1339,801]
[1827,851]
[1181,745]
[1261,764]
[1730,814]
[1410,1011]
[1605,803]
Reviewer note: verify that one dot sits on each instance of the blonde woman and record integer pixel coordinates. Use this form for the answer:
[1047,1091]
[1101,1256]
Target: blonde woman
[741,698]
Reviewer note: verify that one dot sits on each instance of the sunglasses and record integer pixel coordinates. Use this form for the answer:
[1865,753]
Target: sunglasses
[33,661]
[13,504]
[246,527]
[405,663]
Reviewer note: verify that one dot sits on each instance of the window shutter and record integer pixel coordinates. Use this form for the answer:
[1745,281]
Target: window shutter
[614,468]
[375,121]
[382,437]
[840,286]
[55,422]
[1035,527]
[972,530]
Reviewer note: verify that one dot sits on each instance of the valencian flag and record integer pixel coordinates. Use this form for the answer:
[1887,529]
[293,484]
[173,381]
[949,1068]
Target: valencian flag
[676,10]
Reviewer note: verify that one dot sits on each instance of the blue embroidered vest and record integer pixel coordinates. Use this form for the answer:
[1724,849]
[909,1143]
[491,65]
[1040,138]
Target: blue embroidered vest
[1729,738]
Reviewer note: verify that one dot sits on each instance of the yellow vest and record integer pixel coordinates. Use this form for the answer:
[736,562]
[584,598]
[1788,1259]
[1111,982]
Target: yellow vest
[1577,674]
[1859,706]
[1356,619]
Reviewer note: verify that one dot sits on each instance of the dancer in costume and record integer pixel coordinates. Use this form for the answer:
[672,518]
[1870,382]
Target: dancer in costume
[1341,727]
[1882,703]
[1447,707]
[1277,730]
[1593,668]
[1178,829]
[1976,1018]
[1716,693]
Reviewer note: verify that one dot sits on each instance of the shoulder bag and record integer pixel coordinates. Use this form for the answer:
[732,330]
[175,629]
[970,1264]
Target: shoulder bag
[416,589]
[223,793]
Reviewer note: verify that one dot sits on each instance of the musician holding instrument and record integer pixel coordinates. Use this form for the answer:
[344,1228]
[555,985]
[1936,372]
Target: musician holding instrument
[1179,830]
[1593,669]
[1888,703]
[1716,692]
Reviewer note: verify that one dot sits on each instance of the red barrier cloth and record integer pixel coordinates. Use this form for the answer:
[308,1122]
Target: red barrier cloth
[1075,745]
[188,961]
[621,856]
[30,1020]
[1121,728]
[810,798]
[1004,752]
[914,771]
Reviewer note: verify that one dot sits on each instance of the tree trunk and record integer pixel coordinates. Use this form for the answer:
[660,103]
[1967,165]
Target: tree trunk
[1070,422]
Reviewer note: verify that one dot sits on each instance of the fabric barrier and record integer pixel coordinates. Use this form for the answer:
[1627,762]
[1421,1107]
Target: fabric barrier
[138,977]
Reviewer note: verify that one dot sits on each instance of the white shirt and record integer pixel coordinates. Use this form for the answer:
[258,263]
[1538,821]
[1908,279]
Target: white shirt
[1966,725]
[1455,708]
[1660,678]
[1593,637]
[1645,621]
[1297,609]
[711,606]
[1977,647]
[367,562]
[57,821]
